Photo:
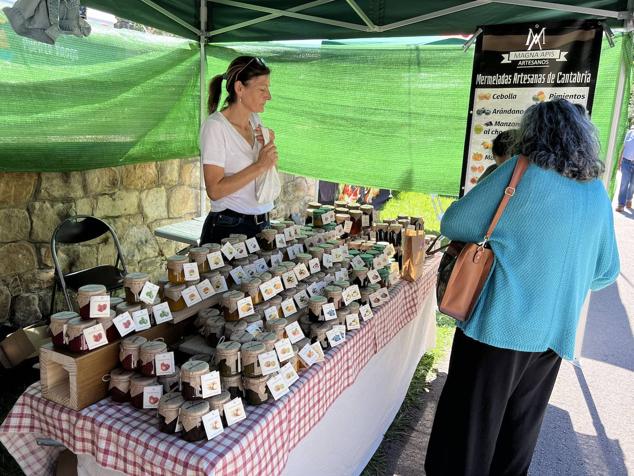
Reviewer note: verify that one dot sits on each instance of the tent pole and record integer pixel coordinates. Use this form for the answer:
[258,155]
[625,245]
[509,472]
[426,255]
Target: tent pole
[202,204]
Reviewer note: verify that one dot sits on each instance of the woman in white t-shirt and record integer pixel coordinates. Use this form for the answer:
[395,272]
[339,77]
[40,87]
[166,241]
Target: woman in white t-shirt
[233,151]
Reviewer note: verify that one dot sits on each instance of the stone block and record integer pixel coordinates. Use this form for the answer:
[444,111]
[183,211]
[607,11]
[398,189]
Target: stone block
[5,303]
[17,258]
[140,176]
[119,203]
[26,309]
[46,216]
[44,301]
[12,283]
[37,280]
[190,173]
[138,243]
[182,200]
[16,189]
[61,185]
[99,181]
[15,224]
[166,247]
[155,267]
[169,171]
[85,206]
[154,204]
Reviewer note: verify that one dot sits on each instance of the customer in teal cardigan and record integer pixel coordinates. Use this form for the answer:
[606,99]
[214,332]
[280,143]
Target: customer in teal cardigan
[554,243]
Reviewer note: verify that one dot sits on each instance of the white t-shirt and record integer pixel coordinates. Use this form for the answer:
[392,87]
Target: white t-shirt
[222,145]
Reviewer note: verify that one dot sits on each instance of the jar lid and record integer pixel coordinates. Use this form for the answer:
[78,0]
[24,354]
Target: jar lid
[276,323]
[177,259]
[209,312]
[126,307]
[212,246]
[314,205]
[276,301]
[322,328]
[194,367]
[142,380]
[304,256]
[267,337]
[154,347]
[367,207]
[228,346]
[253,347]
[173,291]
[269,233]
[115,301]
[64,316]
[342,283]
[333,290]
[230,239]
[241,336]
[278,270]
[355,213]
[199,250]
[340,217]
[217,401]
[239,236]
[196,408]
[133,341]
[119,375]
[326,246]
[317,299]
[80,324]
[172,400]
[136,276]
[92,289]
[253,318]
[231,380]
[264,277]
[250,283]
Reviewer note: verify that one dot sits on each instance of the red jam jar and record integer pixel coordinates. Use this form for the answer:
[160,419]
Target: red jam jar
[57,327]
[191,371]
[84,294]
[112,334]
[133,285]
[119,385]
[137,384]
[168,410]
[129,350]
[147,353]
[75,334]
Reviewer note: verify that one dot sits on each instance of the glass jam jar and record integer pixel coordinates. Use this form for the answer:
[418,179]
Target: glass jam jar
[75,334]
[213,330]
[133,284]
[217,402]
[84,294]
[334,295]
[233,385]
[359,276]
[255,389]
[175,272]
[171,382]
[249,353]
[115,301]
[228,358]
[318,334]
[57,327]
[191,371]
[235,326]
[119,385]
[191,417]
[129,350]
[277,327]
[316,252]
[198,255]
[204,314]
[355,218]
[137,384]
[125,307]
[304,323]
[268,339]
[368,215]
[147,353]
[168,410]
[314,307]
[241,337]
[229,304]
[252,288]
[174,297]
[266,239]
[112,334]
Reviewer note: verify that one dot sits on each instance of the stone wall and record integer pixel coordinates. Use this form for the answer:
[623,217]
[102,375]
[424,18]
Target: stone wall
[134,200]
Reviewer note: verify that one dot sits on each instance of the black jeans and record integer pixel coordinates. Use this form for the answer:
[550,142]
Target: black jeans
[218,226]
[490,410]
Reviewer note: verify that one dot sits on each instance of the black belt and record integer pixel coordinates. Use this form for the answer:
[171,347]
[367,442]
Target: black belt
[257,219]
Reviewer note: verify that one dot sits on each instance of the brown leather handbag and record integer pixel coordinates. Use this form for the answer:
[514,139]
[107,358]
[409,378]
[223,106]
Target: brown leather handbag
[464,267]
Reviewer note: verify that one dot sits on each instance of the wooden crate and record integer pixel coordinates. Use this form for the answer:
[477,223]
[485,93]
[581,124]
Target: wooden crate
[75,380]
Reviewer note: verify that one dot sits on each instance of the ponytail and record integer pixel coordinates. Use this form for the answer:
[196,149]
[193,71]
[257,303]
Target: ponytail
[215,87]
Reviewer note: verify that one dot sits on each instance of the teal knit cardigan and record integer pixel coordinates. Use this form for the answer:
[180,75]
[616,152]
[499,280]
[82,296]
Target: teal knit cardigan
[554,242]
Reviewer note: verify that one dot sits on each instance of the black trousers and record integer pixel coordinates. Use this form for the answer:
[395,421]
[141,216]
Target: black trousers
[490,409]
[218,226]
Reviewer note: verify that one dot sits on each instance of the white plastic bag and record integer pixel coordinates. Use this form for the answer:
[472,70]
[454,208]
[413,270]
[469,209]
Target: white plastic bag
[267,185]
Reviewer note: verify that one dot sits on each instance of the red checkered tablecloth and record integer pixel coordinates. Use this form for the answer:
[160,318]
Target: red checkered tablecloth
[126,439]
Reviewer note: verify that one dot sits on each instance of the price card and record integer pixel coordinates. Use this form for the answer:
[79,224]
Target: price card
[321,285]
[152,395]
[205,289]
[191,296]
[220,284]
[352,321]
[250,270]
[289,234]
[384,295]
[284,349]
[215,260]
[124,324]
[162,313]
[241,250]
[299,248]
[365,220]
[95,336]
[328,217]
[395,277]
[289,374]
[277,284]
[255,329]
[164,363]
[280,241]
[191,271]
[245,307]
[271,313]
[99,306]
[308,355]
[288,307]
[292,254]
[294,332]
[212,424]
[276,259]
[314,265]
[228,250]
[261,266]
[312,289]
[238,274]
[337,255]
[290,280]
[366,312]
[374,276]
[234,411]
[329,311]
[347,226]
[267,290]
[252,245]
[344,250]
[301,271]
[318,350]
[335,336]
[268,362]
[351,293]
[149,293]
[377,262]
[357,262]
[210,384]
[277,386]
[339,230]
[301,298]
[327,260]
[375,299]
[141,320]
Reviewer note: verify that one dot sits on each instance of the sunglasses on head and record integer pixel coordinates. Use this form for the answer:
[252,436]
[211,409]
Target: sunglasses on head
[258,61]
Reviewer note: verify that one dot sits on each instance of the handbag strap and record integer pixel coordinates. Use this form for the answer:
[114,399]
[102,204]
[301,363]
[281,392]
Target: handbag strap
[520,167]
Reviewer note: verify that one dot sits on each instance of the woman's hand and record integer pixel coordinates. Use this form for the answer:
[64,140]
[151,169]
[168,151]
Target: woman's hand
[268,156]
[260,138]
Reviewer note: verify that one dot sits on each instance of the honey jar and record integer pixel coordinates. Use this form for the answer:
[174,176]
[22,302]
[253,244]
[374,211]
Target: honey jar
[75,334]
[147,353]
[249,353]
[191,371]
[129,351]
[112,333]
[84,294]
[355,218]
[255,389]
[57,327]
[137,384]
[252,288]
[119,385]
[318,334]
[198,255]
[133,284]
[334,295]
[174,297]
[168,411]
[277,327]
[233,385]
[191,417]
[314,307]
[228,358]
[229,304]
[175,271]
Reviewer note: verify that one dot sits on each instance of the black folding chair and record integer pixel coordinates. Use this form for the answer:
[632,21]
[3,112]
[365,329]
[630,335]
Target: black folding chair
[79,229]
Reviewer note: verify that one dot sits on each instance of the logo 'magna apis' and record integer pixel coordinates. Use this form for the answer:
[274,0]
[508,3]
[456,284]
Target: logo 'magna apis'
[535,39]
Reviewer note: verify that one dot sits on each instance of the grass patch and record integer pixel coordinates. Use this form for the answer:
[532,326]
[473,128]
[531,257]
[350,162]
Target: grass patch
[400,428]
[415,204]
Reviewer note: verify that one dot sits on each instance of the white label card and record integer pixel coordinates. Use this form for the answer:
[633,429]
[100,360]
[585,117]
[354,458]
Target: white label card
[289,374]
[252,245]
[327,260]
[328,217]
[205,289]
[377,262]
[228,250]
[313,289]
[290,280]
[337,255]
[289,234]
[212,424]
[238,274]
[124,324]
[329,311]
[234,411]
[299,248]
[347,226]
[241,250]
[95,336]
[191,296]
[245,307]
[210,384]
[374,276]
[268,362]
[162,313]
[365,220]
[277,284]
[375,299]
[280,241]
[261,266]
[335,336]
[271,313]
[294,332]
[352,321]
[220,284]
[351,293]
[366,312]
[339,230]
[284,349]
[292,253]
[141,320]
[301,271]
[251,270]
[164,363]
[277,386]
[288,307]
[152,395]
[276,259]
[215,260]
[268,290]
[255,329]
[308,355]
[191,271]
[357,262]
[315,266]
[318,350]
[99,306]
[149,292]
[301,298]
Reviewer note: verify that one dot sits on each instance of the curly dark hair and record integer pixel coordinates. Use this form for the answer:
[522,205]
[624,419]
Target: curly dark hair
[558,135]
